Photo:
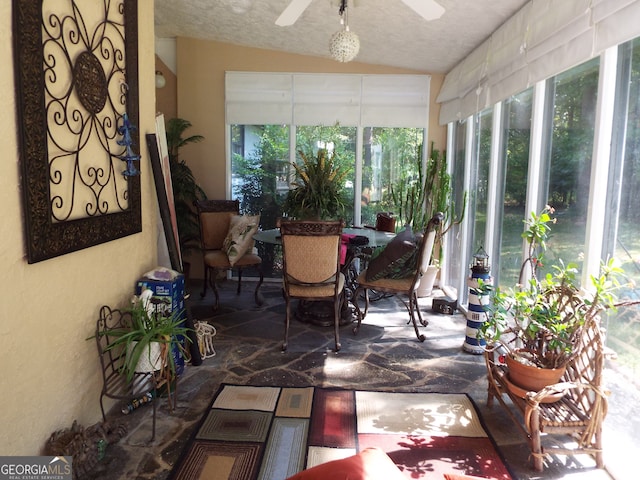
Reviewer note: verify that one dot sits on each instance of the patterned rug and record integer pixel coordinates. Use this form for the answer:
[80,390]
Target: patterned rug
[273,433]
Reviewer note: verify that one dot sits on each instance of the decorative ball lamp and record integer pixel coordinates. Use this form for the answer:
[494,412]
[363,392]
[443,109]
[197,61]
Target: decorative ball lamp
[160,80]
[476,313]
[345,44]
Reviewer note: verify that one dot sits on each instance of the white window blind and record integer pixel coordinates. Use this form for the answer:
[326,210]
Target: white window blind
[258,98]
[327,99]
[544,38]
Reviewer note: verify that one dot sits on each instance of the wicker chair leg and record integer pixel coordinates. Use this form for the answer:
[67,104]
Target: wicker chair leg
[536,445]
[239,281]
[490,394]
[598,445]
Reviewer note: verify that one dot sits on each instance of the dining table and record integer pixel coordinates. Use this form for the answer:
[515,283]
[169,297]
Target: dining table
[358,244]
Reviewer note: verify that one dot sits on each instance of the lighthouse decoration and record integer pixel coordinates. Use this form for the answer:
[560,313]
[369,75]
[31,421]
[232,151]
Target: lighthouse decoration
[477,302]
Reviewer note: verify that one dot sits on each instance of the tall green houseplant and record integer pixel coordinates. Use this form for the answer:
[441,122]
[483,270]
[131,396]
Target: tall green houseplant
[429,193]
[319,192]
[185,188]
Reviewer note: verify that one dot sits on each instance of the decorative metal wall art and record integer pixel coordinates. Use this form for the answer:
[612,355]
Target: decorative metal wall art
[76,66]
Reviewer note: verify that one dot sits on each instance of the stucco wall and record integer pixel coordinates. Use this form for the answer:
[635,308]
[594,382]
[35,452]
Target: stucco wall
[49,373]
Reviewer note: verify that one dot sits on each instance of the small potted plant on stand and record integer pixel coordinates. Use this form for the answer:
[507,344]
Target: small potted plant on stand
[539,322]
[151,341]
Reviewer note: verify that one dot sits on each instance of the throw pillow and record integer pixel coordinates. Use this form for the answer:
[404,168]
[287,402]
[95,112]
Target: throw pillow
[370,464]
[391,262]
[239,239]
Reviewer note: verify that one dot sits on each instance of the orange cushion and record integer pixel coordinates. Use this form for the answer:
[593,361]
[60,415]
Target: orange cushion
[370,464]
[455,476]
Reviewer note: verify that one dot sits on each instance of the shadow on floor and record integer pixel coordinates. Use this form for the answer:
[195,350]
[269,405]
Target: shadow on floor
[384,356]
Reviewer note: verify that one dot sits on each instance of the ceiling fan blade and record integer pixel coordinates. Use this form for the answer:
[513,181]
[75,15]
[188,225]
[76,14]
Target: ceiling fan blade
[292,12]
[427,9]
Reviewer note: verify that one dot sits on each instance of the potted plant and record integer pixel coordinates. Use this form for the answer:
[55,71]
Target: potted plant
[185,188]
[151,340]
[418,201]
[539,322]
[319,192]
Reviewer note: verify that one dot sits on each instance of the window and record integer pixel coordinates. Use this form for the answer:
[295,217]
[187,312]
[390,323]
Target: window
[515,165]
[340,141]
[479,196]
[622,239]
[259,179]
[392,158]
[568,174]
[374,123]
[455,261]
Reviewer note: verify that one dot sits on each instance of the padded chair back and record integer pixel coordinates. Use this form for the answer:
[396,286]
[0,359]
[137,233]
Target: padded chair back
[311,253]
[214,217]
[385,222]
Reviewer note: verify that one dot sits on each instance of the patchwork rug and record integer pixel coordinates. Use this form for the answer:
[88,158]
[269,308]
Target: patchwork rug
[273,433]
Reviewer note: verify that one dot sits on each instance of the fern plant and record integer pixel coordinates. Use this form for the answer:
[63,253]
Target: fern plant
[319,191]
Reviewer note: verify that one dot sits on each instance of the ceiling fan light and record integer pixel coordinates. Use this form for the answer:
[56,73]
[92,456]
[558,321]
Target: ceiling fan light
[344,46]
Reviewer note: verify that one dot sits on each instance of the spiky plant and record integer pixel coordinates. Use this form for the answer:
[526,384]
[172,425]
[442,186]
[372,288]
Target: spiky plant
[319,191]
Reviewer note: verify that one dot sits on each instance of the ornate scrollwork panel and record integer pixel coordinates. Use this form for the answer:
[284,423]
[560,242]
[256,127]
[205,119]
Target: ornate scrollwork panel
[77,76]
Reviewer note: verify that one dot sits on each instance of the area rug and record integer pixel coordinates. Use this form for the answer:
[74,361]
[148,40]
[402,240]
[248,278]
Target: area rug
[271,433]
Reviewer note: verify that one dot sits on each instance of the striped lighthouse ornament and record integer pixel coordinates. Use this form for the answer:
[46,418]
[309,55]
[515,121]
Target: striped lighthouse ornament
[476,312]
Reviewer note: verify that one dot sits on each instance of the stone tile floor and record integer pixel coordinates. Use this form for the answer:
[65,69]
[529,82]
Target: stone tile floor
[384,356]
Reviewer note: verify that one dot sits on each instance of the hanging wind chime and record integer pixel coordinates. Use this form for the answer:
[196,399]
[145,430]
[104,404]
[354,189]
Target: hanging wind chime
[129,157]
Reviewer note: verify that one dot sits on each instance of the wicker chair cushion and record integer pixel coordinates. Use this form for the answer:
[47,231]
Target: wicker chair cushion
[396,260]
[239,239]
[215,226]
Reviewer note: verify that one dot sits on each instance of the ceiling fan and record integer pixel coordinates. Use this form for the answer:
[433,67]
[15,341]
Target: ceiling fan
[427,9]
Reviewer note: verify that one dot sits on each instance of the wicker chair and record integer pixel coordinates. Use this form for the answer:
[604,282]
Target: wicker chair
[576,406]
[401,286]
[214,217]
[311,267]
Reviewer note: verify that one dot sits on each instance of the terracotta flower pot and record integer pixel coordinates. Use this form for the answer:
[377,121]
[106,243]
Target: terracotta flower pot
[531,378]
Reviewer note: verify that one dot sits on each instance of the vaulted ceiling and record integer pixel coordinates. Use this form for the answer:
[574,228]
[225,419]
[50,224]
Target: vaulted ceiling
[390,32]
